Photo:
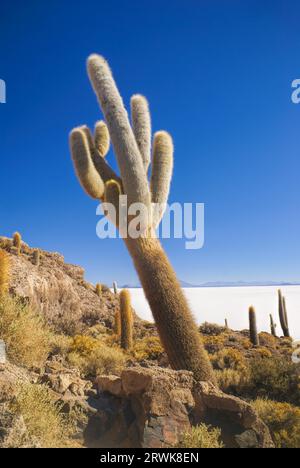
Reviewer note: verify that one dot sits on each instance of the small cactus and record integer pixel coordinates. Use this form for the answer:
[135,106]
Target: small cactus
[117,324]
[17,240]
[4,272]
[36,258]
[273,326]
[115,288]
[126,319]
[98,289]
[253,327]
[283,317]
[226,324]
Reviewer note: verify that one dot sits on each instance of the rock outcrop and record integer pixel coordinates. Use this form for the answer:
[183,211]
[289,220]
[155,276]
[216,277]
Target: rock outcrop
[151,407]
[58,290]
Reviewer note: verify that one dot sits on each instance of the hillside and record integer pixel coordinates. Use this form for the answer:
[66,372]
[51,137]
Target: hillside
[69,381]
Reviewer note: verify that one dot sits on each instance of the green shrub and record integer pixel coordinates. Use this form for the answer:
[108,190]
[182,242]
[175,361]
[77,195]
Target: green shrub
[276,378]
[203,437]
[283,421]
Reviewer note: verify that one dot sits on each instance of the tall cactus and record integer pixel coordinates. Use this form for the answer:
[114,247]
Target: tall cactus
[283,317]
[36,257]
[17,241]
[98,289]
[174,320]
[115,288]
[126,320]
[117,323]
[4,272]
[273,326]
[253,327]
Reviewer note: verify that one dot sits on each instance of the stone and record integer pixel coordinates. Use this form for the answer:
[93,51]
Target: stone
[152,407]
[2,352]
[110,383]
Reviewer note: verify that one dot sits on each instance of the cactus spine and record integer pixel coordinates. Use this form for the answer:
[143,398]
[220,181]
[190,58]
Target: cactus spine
[98,289]
[273,326]
[283,317]
[126,320]
[175,323]
[253,327]
[17,240]
[4,272]
[36,258]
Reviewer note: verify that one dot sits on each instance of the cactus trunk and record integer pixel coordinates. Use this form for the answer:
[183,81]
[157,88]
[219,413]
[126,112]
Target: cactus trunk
[283,315]
[273,326]
[177,329]
[126,320]
[253,327]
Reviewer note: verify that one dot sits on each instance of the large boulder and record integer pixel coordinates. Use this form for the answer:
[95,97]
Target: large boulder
[151,407]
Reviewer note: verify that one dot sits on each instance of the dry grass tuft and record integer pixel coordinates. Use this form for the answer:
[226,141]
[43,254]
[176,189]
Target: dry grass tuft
[25,333]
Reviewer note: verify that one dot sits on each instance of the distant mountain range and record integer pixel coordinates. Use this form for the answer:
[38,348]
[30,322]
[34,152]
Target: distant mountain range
[227,284]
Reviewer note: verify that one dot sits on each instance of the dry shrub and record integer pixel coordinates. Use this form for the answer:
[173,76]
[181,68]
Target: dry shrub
[214,344]
[283,421]
[211,329]
[268,340]
[262,352]
[27,337]
[60,344]
[276,378]
[148,348]
[94,358]
[44,422]
[229,358]
[203,437]
[232,381]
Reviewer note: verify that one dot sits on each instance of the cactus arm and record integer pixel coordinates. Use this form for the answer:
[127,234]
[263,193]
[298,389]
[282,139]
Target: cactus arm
[89,178]
[173,318]
[129,159]
[102,139]
[141,124]
[103,168]
[162,169]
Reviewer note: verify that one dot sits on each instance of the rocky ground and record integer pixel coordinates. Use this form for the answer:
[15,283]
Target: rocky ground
[143,405]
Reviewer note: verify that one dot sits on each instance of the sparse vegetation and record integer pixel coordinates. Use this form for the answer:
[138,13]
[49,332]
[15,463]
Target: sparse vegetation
[283,421]
[94,358]
[44,422]
[202,437]
[27,337]
[148,348]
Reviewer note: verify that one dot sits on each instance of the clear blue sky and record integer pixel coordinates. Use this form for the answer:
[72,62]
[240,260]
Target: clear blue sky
[218,76]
